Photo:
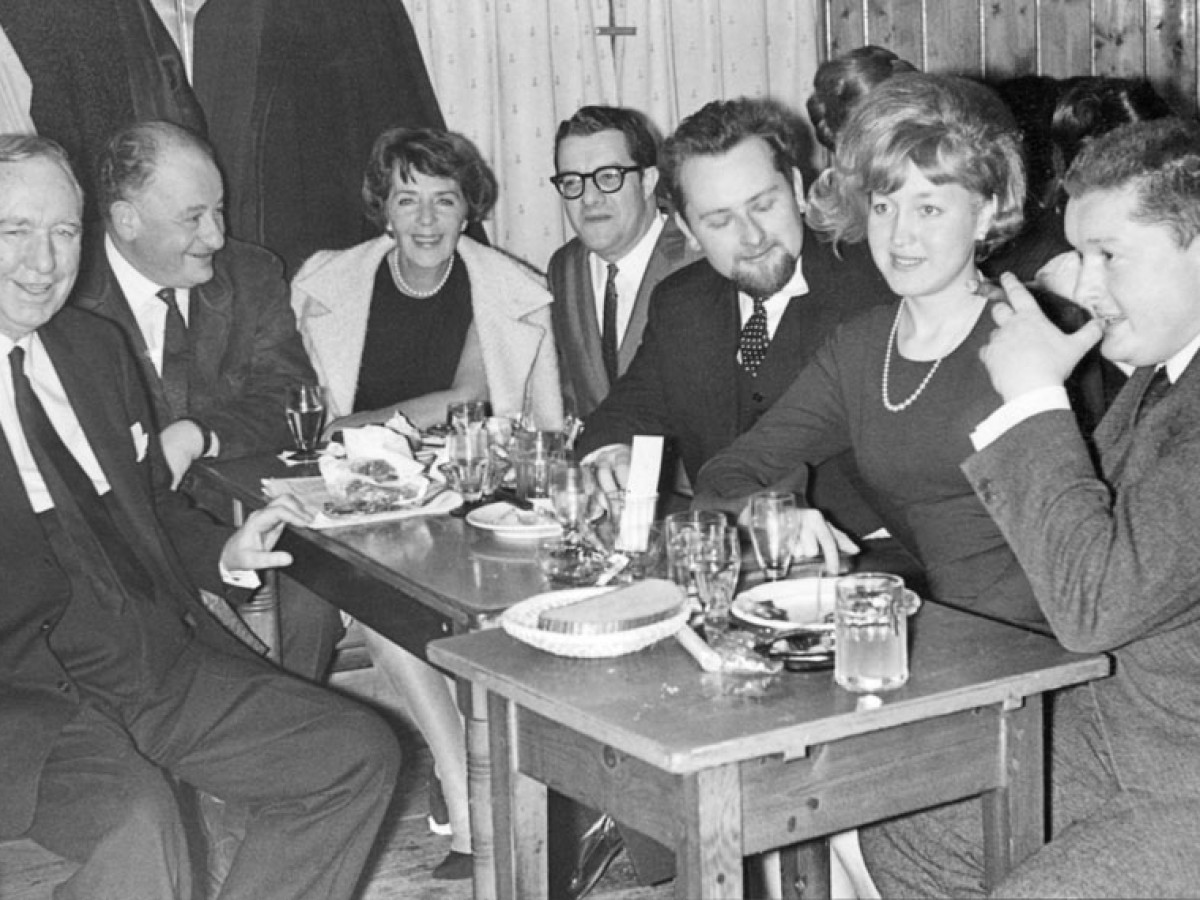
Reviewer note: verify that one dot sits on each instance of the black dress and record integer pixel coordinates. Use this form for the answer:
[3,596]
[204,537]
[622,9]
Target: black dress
[413,345]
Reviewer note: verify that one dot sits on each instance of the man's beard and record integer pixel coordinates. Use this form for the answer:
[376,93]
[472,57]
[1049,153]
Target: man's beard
[766,278]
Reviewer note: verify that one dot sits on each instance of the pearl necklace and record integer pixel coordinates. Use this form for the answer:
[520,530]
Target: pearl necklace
[887,368]
[403,286]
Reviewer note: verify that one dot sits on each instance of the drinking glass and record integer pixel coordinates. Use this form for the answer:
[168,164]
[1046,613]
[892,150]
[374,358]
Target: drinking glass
[464,415]
[716,564]
[305,417]
[682,534]
[628,529]
[871,632]
[570,498]
[467,463]
[774,524]
[533,454]
[499,430]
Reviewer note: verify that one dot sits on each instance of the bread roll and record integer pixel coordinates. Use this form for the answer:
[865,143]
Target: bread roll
[636,606]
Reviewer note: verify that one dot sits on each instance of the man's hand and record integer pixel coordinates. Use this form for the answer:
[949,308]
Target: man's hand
[610,466]
[250,546]
[814,537]
[182,444]
[1026,351]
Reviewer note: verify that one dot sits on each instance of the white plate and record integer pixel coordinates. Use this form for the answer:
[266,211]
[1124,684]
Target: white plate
[507,523]
[795,596]
[798,598]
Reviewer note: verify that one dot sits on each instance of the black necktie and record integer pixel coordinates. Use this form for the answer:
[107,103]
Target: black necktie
[754,340]
[85,518]
[608,336]
[176,356]
[1155,391]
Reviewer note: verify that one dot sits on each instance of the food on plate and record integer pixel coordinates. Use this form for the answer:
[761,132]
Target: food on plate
[362,496]
[378,470]
[764,609]
[624,609]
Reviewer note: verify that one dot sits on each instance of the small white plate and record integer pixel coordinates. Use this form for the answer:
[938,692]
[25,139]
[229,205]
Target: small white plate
[797,597]
[507,523]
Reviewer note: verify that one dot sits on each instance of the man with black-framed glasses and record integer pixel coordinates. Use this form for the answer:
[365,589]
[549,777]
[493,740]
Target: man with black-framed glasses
[606,163]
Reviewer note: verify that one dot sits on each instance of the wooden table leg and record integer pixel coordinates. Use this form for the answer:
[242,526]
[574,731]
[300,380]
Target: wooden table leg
[1014,816]
[473,703]
[804,870]
[518,812]
[709,860]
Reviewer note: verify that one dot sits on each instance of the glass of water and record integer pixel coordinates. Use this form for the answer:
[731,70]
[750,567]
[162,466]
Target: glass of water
[716,562]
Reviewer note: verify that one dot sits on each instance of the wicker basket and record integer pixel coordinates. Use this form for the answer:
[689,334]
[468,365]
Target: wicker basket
[521,622]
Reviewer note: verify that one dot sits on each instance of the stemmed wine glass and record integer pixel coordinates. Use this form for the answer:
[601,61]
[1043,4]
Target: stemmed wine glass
[305,417]
[774,523]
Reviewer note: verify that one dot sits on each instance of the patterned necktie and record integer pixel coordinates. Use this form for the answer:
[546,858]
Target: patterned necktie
[176,356]
[754,340]
[608,336]
[1155,391]
[83,515]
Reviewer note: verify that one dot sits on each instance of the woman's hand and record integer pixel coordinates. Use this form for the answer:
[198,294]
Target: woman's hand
[816,537]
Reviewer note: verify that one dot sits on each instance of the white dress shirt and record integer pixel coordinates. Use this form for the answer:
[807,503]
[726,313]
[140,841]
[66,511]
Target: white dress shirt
[631,269]
[148,309]
[46,384]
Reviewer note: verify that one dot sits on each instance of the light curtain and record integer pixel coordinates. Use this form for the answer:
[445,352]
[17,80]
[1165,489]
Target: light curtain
[506,72]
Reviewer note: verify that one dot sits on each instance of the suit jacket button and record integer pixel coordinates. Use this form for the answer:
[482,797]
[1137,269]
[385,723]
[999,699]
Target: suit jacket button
[47,625]
[758,398]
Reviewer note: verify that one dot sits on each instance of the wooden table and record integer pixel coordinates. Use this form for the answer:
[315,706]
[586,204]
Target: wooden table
[721,767]
[412,580]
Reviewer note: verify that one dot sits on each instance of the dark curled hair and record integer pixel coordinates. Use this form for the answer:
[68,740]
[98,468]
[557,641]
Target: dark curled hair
[841,82]
[641,138]
[954,130]
[129,159]
[432,152]
[1160,159]
[721,125]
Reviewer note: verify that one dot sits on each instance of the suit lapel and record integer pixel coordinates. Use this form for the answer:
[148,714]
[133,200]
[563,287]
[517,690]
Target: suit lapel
[209,321]
[100,293]
[99,408]
[587,329]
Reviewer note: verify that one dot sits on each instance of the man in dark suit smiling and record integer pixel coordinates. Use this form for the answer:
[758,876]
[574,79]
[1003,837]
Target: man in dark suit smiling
[728,334]
[114,677]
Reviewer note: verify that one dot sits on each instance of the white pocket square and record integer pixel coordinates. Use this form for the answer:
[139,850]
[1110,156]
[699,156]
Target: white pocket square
[141,442]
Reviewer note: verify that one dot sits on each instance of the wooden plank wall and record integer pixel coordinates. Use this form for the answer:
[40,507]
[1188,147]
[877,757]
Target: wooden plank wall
[997,39]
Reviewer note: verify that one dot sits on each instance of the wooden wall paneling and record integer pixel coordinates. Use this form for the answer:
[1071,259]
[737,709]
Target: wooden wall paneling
[953,38]
[1066,37]
[1010,39]
[844,28]
[899,25]
[1119,36]
[1172,50]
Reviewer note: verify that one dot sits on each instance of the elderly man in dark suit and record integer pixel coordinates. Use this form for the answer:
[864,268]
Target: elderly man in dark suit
[209,320]
[606,165]
[114,678]
[728,334]
[1108,543]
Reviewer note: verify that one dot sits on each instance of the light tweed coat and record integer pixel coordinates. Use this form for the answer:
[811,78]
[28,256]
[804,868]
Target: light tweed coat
[331,296]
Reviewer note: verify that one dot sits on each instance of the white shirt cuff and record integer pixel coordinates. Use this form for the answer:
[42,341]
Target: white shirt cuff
[1017,411]
[241,578]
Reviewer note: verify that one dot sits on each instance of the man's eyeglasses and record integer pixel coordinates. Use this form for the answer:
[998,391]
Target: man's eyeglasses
[608,179]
